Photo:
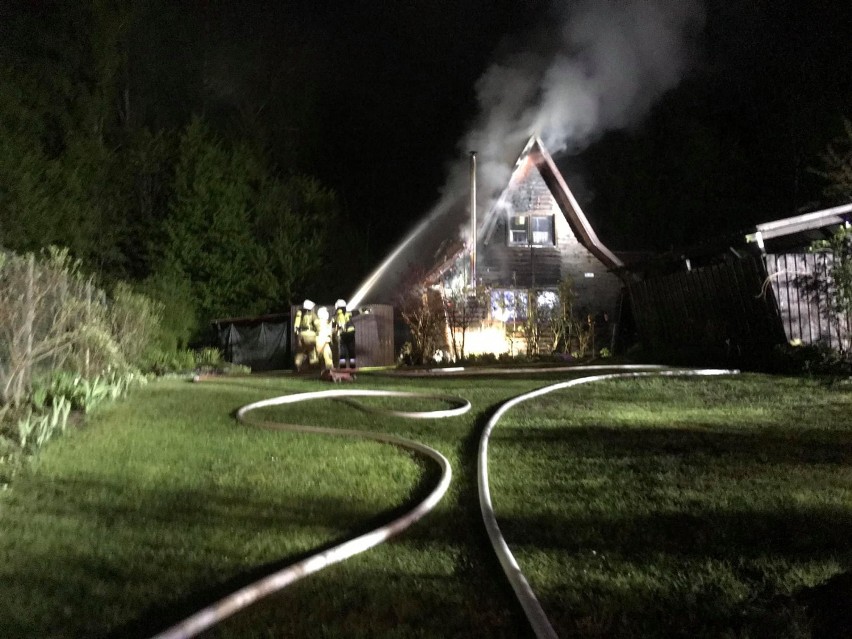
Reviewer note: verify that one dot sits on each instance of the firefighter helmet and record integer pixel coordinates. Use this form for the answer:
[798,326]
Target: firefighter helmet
[308,305]
[322,313]
[340,304]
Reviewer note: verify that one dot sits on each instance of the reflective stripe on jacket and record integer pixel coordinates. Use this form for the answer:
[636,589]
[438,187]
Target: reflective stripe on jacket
[343,321]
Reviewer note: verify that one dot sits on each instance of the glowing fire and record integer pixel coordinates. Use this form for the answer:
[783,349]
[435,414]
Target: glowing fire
[489,336]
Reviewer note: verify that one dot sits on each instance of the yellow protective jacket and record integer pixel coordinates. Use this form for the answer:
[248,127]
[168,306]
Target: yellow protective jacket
[343,321]
[304,320]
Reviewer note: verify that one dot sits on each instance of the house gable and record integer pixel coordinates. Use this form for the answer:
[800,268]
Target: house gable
[537,189]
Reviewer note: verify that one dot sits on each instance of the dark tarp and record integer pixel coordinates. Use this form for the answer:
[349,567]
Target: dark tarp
[261,345]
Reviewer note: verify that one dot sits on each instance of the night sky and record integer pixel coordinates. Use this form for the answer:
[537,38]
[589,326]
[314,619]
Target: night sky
[763,88]
[379,99]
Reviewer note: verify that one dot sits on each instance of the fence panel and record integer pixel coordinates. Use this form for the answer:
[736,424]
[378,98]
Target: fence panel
[802,285]
[715,309]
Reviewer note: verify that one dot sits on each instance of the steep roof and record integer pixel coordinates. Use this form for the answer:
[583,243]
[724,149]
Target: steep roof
[534,152]
[430,241]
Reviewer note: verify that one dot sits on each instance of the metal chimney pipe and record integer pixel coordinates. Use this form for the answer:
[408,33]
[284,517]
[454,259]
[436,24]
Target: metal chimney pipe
[472,282]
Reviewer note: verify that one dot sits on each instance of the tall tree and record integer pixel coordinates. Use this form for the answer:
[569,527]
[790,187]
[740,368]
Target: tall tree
[58,161]
[295,217]
[209,234]
[836,166]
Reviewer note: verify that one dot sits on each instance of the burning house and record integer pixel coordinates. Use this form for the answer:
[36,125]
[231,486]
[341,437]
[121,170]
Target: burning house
[533,246]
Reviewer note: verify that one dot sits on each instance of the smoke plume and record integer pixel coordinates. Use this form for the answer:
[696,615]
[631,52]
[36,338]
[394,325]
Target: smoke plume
[601,67]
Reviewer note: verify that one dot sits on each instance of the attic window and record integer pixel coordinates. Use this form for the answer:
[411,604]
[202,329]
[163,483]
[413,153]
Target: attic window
[535,230]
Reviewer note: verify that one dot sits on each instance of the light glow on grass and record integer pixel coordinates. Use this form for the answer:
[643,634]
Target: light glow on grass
[697,519]
[158,502]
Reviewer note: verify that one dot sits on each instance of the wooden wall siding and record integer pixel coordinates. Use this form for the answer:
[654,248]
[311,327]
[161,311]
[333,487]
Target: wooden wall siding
[531,194]
[800,284]
[374,336]
[503,266]
[721,309]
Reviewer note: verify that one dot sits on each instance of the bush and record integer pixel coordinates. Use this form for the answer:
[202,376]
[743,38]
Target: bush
[173,291]
[208,359]
[164,362]
[54,317]
[810,359]
[135,322]
[228,368]
[481,359]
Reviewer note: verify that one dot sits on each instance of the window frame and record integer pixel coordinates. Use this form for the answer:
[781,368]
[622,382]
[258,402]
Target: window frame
[527,231]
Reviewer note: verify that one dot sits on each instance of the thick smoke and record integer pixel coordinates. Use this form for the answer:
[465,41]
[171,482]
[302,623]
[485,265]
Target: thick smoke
[601,68]
[607,65]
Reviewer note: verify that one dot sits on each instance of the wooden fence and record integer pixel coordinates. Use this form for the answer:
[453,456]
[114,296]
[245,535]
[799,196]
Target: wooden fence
[374,335]
[723,310]
[801,284]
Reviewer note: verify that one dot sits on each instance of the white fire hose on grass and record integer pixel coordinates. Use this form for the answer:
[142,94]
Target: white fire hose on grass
[227,606]
[532,608]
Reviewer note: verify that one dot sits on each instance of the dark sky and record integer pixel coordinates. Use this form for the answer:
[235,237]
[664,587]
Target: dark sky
[715,128]
[395,94]
[765,82]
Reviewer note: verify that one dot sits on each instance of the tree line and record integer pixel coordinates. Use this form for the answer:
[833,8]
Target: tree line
[186,197]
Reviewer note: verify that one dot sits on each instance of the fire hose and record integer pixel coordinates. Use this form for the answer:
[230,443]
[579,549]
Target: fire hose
[532,608]
[232,603]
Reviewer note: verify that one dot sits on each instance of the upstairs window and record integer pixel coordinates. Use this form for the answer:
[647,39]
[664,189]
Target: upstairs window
[541,227]
[536,230]
[518,229]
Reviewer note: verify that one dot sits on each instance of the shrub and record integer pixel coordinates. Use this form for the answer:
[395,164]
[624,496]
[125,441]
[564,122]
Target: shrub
[235,369]
[208,359]
[135,322]
[422,311]
[53,317]
[163,362]
[810,359]
[178,322]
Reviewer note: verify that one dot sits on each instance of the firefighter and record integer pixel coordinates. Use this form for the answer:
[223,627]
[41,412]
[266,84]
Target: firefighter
[345,331]
[324,332]
[306,334]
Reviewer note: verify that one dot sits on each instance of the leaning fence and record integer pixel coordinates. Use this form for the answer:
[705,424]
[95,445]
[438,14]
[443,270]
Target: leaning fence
[723,310]
[803,288]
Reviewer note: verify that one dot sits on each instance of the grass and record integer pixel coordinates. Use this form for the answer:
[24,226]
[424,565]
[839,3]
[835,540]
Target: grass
[666,508]
[162,503]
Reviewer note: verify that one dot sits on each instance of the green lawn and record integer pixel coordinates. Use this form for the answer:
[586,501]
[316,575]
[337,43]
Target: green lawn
[685,506]
[689,507]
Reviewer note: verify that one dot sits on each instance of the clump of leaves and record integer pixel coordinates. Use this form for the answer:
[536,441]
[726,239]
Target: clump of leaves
[839,246]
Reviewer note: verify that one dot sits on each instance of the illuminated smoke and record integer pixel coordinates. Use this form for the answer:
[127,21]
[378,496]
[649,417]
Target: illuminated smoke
[601,70]
[609,62]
